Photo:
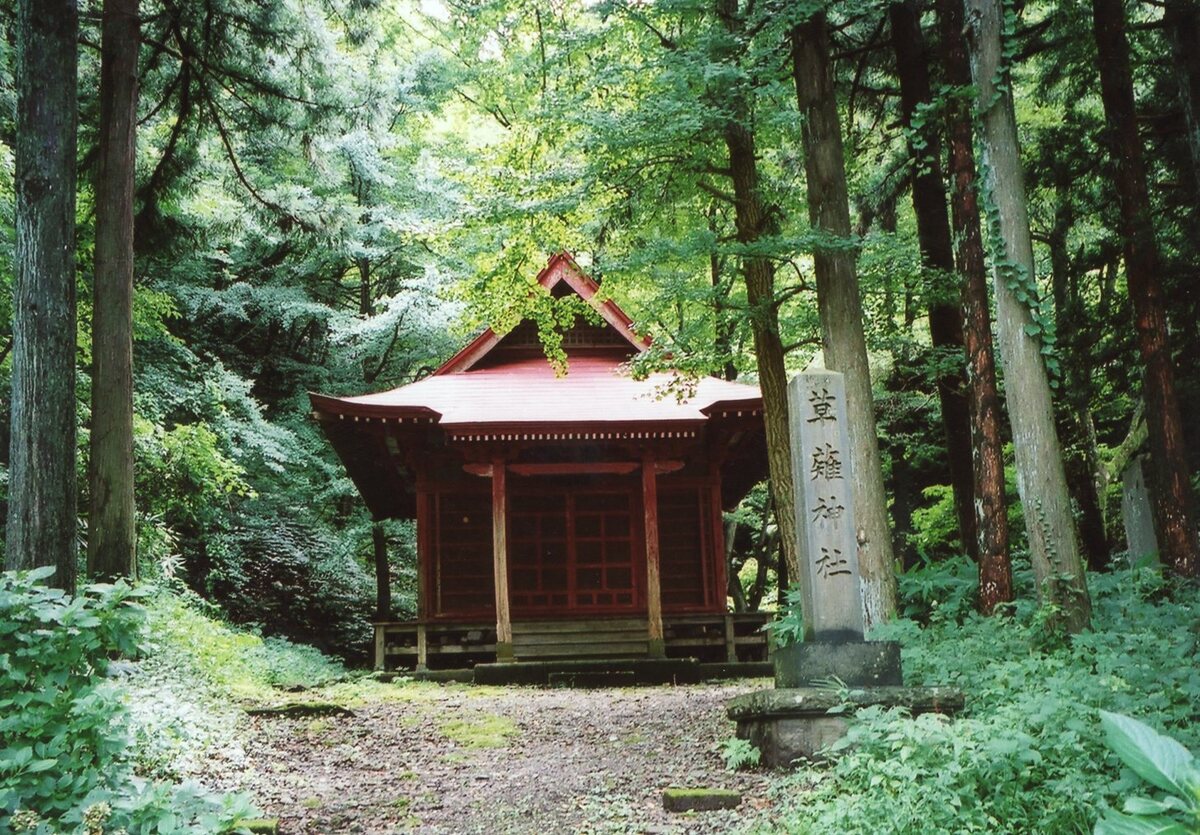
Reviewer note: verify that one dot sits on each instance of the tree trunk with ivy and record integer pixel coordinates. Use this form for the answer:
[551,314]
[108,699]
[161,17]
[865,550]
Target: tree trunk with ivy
[991,507]
[1041,478]
[1169,472]
[112,533]
[937,257]
[41,486]
[840,306]
[753,221]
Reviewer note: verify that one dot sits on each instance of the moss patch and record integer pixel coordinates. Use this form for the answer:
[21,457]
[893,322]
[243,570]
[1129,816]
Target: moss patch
[368,690]
[319,726]
[700,800]
[486,730]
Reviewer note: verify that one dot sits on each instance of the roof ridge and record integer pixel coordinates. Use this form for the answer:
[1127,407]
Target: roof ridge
[561,267]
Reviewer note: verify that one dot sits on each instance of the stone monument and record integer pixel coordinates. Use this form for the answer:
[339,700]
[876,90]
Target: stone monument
[834,646]
[819,681]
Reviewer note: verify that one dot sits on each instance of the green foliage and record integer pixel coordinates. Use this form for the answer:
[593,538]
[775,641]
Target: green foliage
[184,634]
[944,590]
[58,732]
[935,526]
[739,754]
[192,476]
[787,627]
[290,577]
[1027,756]
[67,754]
[1163,763]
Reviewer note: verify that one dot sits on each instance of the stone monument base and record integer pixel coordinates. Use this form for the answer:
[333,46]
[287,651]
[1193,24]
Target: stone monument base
[853,663]
[796,723]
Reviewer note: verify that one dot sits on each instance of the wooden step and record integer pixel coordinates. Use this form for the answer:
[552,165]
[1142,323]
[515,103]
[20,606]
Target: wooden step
[611,649]
[565,626]
[542,638]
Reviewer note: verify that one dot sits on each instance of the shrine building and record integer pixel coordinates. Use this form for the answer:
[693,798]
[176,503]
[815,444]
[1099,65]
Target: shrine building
[558,517]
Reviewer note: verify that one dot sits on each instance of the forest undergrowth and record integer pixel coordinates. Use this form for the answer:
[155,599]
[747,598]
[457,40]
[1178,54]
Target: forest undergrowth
[1029,753]
[114,702]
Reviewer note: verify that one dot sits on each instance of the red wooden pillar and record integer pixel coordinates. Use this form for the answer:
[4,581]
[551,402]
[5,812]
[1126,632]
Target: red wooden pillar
[424,556]
[653,581]
[720,583]
[504,647]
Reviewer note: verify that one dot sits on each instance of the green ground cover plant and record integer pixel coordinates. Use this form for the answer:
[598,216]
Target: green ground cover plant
[68,759]
[1029,754]
[111,701]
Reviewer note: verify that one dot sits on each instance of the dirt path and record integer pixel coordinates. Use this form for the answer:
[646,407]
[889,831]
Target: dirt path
[461,759]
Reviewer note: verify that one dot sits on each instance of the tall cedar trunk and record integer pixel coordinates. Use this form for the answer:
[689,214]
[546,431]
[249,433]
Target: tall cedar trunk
[840,307]
[937,256]
[1182,19]
[753,222]
[41,488]
[1173,521]
[1041,479]
[383,573]
[111,525]
[991,508]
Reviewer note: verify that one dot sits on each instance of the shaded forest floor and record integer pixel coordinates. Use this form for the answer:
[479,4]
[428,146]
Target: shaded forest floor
[456,759]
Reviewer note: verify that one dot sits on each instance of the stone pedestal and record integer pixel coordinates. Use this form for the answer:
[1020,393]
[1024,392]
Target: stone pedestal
[810,707]
[853,663]
[800,723]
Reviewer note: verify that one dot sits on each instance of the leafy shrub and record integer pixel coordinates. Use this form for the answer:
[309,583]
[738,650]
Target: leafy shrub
[946,589]
[1028,755]
[787,627]
[59,727]
[1163,763]
[66,760]
[291,579]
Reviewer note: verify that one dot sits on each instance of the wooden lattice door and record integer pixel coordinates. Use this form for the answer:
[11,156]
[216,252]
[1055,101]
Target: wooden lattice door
[574,552]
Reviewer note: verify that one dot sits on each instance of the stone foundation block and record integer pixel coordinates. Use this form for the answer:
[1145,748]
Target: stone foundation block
[801,723]
[700,800]
[854,663]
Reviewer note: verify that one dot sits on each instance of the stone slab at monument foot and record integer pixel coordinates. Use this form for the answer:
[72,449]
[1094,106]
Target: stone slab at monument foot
[800,723]
[822,680]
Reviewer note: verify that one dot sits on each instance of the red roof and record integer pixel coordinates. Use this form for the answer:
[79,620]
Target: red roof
[595,390]
[521,389]
[561,268]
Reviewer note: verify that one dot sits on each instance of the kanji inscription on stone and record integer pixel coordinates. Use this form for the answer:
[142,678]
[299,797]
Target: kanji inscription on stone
[823,472]
[831,563]
[826,463]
